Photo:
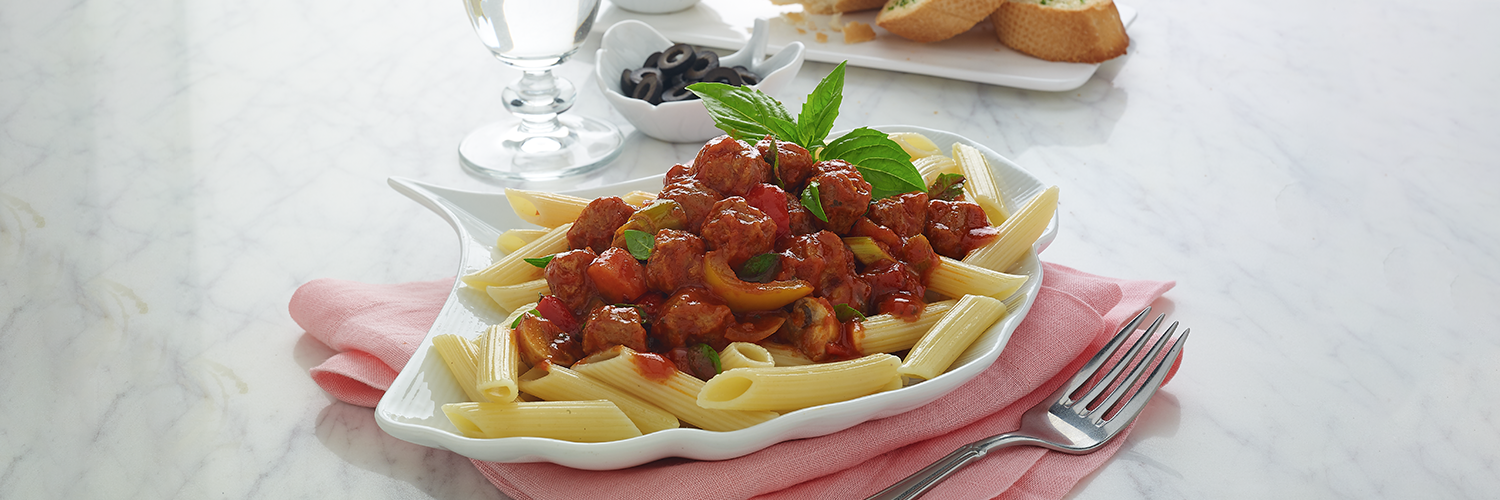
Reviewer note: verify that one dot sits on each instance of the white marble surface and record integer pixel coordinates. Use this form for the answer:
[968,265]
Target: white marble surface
[1320,178]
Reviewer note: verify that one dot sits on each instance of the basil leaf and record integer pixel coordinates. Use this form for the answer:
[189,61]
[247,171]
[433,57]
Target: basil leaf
[639,243]
[540,261]
[821,108]
[947,187]
[745,113]
[845,313]
[880,160]
[761,268]
[708,352]
[517,322]
[813,202]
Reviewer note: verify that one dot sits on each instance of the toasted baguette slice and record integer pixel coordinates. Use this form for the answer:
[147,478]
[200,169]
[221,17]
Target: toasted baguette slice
[1082,31]
[933,20]
[832,6]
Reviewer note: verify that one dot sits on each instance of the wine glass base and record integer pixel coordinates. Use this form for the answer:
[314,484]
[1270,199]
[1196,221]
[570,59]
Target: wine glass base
[501,151]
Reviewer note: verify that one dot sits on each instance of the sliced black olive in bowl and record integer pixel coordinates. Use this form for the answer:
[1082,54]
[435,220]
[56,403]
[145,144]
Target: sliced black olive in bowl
[679,92]
[746,76]
[707,61]
[652,60]
[676,59]
[724,75]
[649,89]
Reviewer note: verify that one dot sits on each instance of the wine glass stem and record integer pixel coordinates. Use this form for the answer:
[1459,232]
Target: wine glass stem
[537,98]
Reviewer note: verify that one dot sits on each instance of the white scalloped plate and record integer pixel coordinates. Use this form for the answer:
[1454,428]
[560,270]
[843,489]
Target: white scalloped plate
[411,408]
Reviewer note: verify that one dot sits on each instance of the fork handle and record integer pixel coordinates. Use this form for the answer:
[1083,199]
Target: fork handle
[921,481]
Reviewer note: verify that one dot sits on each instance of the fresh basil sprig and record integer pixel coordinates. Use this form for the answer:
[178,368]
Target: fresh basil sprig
[540,262]
[748,114]
[813,202]
[947,187]
[639,243]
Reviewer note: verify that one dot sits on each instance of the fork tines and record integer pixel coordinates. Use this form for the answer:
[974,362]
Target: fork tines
[1099,411]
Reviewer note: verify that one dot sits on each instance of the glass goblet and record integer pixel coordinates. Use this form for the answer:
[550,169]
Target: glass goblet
[538,142]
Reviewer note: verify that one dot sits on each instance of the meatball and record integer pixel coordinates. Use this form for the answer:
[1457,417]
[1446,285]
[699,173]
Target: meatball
[694,197]
[956,227]
[730,166]
[738,230]
[676,262]
[895,289]
[692,315]
[844,194]
[822,260]
[596,225]
[609,326]
[905,213]
[567,276]
[791,164]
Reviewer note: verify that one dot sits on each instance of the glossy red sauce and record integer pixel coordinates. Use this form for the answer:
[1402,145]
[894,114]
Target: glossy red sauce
[654,366]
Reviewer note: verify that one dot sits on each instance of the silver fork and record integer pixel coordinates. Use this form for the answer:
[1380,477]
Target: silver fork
[1065,424]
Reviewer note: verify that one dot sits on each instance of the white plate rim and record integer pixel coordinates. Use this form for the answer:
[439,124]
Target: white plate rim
[410,409]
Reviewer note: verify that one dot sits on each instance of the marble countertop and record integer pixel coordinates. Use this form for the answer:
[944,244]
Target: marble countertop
[1322,181]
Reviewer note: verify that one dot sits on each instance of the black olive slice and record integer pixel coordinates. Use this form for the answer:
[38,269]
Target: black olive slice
[639,74]
[627,83]
[676,59]
[746,76]
[649,89]
[707,61]
[652,60]
[679,92]
[724,75]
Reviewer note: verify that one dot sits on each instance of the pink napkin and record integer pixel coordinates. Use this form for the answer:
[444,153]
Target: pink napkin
[375,328]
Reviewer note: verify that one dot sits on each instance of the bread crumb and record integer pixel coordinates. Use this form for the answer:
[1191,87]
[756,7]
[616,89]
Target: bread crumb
[856,32]
[795,17]
[836,23]
[822,37]
[801,31]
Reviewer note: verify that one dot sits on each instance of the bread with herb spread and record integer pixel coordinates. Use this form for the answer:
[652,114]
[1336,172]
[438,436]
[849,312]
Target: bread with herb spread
[1081,31]
[933,20]
[832,6]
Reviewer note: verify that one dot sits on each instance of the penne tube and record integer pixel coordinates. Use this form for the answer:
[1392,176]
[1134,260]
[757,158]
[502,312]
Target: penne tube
[513,268]
[543,208]
[951,336]
[510,297]
[666,387]
[886,333]
[1017,234]
[514,239]
[744,355]
[498,360]
[788,388]
[932,166]
[979,182]
[639,199]
[556,383]
[579,421]
[460,355]
[915,144]
[953,278]
[785,355]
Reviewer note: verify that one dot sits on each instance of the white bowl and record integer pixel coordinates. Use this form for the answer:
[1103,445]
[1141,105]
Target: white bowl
[626,46]
[654,6]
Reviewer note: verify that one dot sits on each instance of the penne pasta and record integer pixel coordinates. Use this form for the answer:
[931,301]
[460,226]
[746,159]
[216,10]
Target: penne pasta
[1017,234]
[886,333]
[460,355]
[510,297]
[935,352]
[915,144]
[556,383]
[788,388]
[513,268]
[932,166]
[979,182]
[638,199]
[953,278]
[744,355]
[785,355]
[514,239]
[498,361]
[579,421]
[543,208]
[667,388]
